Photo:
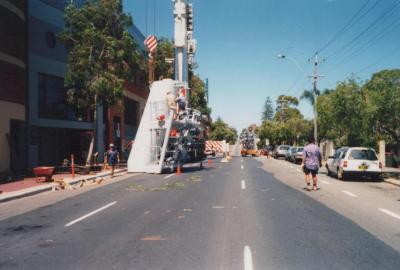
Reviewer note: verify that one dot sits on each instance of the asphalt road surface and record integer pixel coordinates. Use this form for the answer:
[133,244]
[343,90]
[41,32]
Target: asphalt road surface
[227,216]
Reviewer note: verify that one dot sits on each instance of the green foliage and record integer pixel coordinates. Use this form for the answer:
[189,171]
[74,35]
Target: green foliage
[355,114]
[268,112]
[102,55]
[287,126]
[383,98]
[165,49]
[221,131]
[198,95]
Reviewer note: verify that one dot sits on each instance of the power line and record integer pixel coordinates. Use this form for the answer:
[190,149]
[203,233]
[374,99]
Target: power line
[348,25]
[380,59]
[387,13]
[350,55]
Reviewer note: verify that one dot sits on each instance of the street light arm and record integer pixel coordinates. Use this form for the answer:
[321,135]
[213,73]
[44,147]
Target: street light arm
[282,56]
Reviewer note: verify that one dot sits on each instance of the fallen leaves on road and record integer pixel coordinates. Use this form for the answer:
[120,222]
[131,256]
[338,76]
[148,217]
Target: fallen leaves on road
[163,187]
[195,178]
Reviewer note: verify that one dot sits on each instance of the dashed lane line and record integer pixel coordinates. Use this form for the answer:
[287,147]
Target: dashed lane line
[390,213]
[89,214]
[242,167]
[243,184]
[248,260]
[170,175]
[349,193]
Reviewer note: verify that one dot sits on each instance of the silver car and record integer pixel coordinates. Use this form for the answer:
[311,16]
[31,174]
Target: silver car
[280,151]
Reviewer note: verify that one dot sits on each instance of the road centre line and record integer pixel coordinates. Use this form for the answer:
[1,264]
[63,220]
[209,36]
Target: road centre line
[170,175]
[89,214]
[349,193]
[243,184]
[388,212]
[248,260]
[241,167]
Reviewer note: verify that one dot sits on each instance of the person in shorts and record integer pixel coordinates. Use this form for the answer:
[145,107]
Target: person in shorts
[311,163]
[112,158]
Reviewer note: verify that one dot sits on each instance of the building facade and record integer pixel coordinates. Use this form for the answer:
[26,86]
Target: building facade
[43,129]
[13,86]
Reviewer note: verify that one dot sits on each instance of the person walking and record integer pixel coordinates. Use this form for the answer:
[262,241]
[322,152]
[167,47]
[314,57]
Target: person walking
[112,158]
[311,163]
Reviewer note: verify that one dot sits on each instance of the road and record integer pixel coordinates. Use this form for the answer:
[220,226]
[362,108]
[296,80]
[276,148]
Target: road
[248,214]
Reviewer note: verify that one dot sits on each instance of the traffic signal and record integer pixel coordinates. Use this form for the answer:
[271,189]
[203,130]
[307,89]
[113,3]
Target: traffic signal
[189,17]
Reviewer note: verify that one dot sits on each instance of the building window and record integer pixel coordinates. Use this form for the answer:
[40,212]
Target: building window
[131,112]
[52,98]
[50,39]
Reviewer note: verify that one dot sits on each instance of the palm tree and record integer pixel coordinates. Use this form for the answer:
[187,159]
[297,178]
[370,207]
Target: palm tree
[309,95]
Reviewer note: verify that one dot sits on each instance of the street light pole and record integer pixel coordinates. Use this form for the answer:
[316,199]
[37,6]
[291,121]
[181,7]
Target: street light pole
[315,78]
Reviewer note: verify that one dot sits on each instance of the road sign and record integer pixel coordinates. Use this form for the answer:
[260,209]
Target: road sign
[151,43]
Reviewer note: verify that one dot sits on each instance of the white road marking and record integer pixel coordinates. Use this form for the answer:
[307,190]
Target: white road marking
[325,182]
[291,166]
[170,175]
[349,193]
[390,213]
[243,184]
[248,260]
[242,167]
[218,207]
[298,170]
[89,214]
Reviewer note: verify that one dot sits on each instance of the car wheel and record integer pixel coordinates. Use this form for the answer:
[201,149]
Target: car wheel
[340,174]
[328,171]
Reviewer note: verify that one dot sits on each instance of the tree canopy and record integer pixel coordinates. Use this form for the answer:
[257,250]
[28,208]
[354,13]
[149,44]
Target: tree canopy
[198,99]
[268,112]
[287,125]
[222,131]
[102,55]
[165,49]
[357,114]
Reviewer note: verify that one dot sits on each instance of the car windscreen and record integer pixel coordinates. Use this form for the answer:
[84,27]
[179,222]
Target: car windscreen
[365,154]
[293,150]
[284,148]
[300,149]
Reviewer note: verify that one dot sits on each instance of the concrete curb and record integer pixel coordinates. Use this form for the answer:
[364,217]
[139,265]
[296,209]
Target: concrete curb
[392,181]
[9,196]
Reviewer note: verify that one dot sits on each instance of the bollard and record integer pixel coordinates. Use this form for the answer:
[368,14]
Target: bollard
[72,166]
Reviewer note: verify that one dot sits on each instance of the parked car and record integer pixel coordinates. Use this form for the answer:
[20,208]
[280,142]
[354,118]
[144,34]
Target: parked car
[297,156]
[289,153]
[280,151]
[356,161]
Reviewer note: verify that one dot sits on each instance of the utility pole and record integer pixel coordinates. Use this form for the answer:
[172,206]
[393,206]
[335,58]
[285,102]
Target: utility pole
[315,78]
[282,106]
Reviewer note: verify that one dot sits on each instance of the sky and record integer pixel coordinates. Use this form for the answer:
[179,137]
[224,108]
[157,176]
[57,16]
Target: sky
[239,40]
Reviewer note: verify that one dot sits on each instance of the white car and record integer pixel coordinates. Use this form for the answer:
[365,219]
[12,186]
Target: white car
[356,161]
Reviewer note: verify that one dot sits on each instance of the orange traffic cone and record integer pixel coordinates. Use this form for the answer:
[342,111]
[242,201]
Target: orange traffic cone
[209,162]
[178,170]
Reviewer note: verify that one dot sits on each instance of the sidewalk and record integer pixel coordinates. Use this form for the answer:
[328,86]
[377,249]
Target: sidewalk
[29,186]
[393,175]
